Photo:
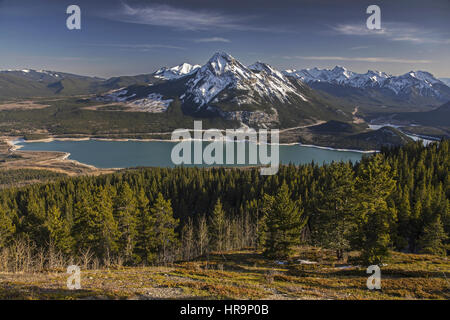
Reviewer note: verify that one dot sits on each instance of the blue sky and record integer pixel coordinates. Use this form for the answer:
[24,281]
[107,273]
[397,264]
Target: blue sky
[131,37]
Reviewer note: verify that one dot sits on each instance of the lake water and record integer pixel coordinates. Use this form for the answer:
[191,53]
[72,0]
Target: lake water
[124,154]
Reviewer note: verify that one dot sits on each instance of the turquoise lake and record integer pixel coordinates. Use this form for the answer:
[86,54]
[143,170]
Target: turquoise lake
[124,154]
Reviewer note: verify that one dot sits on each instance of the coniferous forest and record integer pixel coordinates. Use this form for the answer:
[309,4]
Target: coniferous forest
[397,199]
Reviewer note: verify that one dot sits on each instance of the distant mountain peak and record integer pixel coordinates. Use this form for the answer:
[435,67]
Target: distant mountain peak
[221,55]
[419,82]
[258,82]
[222,62]
[339,69]
[176,72]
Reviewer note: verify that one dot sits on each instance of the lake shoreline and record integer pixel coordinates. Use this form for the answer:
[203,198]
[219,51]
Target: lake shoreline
[14,142]
[63,156]
[56,161]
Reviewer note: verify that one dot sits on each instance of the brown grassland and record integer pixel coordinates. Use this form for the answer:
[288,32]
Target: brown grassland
[243,274]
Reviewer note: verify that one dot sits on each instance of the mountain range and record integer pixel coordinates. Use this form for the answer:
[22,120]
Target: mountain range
[424,82]
[257,95]
[411,87]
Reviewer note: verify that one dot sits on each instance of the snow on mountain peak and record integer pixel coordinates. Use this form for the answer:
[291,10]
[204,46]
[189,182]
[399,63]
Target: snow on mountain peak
[264,67]
[424,76]
[341,76]
[35,75]
[222,72]
[222,62]
[176,72]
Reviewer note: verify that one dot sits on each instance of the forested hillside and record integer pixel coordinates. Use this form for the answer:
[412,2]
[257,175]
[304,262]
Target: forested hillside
[398,199]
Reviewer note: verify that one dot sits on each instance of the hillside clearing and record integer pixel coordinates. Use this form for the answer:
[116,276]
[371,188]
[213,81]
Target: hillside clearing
[243,275]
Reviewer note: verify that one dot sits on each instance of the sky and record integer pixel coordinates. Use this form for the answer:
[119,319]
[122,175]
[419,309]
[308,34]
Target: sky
[128,37]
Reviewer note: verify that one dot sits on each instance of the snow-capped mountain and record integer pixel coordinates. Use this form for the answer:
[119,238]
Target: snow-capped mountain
[338,75]
[418,82]
[176,72]
[36,75]
[225,79]
[257,95]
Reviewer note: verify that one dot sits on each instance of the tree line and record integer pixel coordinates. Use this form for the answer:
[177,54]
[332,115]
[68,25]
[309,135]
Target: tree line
[397,199]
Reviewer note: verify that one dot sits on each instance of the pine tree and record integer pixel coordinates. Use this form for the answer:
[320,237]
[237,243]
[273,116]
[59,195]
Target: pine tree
[374,185]
[283,224]
[94,225]
[333,221]
[217,227]
[145,246]
[164,227]
[404,224]
[59,231]
[126,216]
[7,228]
[433,238]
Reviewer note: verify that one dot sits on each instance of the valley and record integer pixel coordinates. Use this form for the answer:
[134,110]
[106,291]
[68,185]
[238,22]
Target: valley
[218,157]
[329,108]
[224,93]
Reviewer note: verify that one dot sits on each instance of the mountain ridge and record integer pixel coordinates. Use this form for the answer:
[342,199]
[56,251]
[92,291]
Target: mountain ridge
[414,82]
[257,96]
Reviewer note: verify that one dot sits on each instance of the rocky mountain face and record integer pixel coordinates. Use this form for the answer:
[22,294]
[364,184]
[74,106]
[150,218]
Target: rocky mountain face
[225,79]
[257,95]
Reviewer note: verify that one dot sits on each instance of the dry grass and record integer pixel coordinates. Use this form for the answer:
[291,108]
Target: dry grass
[243,275]
[22,105]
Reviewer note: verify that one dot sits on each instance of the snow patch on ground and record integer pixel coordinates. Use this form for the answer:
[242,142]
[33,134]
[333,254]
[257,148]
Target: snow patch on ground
[154,103]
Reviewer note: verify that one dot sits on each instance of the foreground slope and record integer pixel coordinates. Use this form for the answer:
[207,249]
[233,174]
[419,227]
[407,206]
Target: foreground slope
[312,274]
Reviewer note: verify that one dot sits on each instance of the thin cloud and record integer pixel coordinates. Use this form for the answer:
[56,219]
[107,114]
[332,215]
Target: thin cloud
[213,39]
[183,19]
[394,32]
[359,47]
[139,47]
[364,59]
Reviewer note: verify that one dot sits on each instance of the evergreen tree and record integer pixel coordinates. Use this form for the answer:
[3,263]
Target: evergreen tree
[333,222]
[404,224]
[217,227]
[145,246]
[7,228]
[94,225]
[374,184]
[125,211]
[283,224]
[433,238]
[58,229]
[164,227]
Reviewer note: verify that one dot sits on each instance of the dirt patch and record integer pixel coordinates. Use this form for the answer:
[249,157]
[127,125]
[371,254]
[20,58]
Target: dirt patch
[22,105]
[14,158]
[356,119]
